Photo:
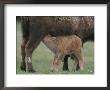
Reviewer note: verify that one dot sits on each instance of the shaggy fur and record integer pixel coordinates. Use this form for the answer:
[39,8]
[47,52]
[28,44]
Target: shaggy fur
[63,46]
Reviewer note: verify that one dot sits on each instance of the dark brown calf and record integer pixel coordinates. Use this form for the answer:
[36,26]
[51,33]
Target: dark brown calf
[35,28]
[62,46]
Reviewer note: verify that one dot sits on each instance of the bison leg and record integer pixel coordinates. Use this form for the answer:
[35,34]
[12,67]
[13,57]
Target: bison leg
[23,65]
[30,47]
[28,58]
[36,34]
[65,64]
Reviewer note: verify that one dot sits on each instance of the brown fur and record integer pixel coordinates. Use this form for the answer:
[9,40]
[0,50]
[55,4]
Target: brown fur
[65,45]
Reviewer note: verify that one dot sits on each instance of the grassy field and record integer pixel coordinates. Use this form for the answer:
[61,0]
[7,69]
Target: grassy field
[43,57]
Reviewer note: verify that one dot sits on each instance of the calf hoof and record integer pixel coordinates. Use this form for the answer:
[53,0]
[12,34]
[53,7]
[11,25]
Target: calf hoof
[77,68]
[54,70]
[65,69]
[81,68]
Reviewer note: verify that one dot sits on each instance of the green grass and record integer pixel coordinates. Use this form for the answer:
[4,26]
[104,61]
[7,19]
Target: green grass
[43,57]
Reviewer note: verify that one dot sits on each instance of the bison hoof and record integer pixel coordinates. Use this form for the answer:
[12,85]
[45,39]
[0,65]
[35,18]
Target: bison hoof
[31,70]
[23,67]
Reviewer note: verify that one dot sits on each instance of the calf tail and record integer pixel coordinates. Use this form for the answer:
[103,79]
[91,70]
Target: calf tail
[25,26]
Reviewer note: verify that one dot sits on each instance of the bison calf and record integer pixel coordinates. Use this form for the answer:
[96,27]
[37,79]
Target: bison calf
[63,46]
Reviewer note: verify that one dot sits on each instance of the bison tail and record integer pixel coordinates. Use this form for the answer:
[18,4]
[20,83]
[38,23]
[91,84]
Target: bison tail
[25,26]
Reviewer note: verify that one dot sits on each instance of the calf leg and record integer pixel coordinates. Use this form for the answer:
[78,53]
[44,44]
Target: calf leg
[80,59]
[76,62]
[57,61]
[76,65]
[65,64]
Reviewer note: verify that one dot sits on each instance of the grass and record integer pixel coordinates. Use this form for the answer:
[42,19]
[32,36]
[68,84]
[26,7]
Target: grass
[42,58]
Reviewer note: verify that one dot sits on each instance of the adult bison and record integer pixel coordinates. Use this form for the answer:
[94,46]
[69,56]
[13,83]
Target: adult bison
[35,28]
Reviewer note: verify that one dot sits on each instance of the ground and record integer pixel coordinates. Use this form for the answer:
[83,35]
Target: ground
[42,58]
